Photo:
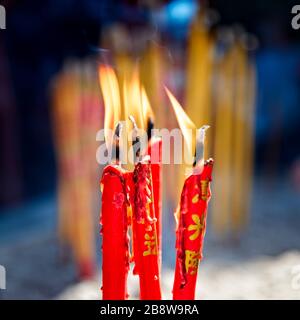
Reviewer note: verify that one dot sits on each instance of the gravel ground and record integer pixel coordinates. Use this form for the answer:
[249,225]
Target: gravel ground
[262,278]
[263,264]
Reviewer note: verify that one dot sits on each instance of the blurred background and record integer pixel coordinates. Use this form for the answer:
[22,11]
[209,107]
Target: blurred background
[233,65]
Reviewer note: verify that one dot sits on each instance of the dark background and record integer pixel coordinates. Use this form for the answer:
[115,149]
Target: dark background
[41,34]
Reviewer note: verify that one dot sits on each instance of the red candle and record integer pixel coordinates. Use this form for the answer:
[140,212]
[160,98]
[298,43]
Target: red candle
[192,209]
[191,225]
[145,246]
[145,243]
[154,150]
[115,243]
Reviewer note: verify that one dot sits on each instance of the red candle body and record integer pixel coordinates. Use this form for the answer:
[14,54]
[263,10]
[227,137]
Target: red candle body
[115,243]
[190,232]
[155,150]
[145,244]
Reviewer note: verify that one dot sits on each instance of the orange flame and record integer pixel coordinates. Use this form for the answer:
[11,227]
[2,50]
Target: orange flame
[111,96]
[186,125]
[146,107]
[133,99]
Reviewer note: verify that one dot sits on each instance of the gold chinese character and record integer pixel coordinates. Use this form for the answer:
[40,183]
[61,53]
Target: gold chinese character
[151,244]
[204,189]
[191,261]
[197,227]
[195,198]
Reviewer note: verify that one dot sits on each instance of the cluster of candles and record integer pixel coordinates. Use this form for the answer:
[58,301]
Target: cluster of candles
[131,201]
[220,90]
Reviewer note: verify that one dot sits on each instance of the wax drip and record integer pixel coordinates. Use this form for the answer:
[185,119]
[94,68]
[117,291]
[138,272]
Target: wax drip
[143,195]
[150,126]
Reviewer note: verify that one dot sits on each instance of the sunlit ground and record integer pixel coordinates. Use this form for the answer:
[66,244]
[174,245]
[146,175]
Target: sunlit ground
[264,264]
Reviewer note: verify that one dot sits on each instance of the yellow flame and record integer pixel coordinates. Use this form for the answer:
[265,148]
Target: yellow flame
[111,96]
[135,99]
[146,107]
[186,125]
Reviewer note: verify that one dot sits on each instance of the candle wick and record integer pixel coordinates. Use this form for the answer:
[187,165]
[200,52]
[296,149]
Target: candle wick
[150,126]
[199,151]
[116,141]
[136,141]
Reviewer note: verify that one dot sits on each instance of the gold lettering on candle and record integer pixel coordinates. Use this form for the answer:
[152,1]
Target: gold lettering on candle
[191,261]
[204,189]
[150,243]
[197,227]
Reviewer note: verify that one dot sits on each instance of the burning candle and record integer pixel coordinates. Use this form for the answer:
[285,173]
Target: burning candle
[123,189]
[115,241]
[136,103]
[145,243]
[191,213]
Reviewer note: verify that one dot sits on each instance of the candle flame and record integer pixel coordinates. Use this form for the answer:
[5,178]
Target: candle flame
[186,125]
[147,110]
[132,93]
[134,103]
[111,96]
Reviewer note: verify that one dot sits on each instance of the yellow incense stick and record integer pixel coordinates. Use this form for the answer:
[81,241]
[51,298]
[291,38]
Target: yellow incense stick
[222,188]
[239,138]
[249,138]
[199,76]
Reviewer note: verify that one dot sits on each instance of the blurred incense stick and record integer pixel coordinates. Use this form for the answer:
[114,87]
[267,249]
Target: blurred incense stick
[76,119]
